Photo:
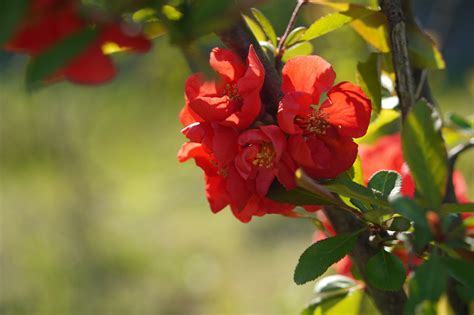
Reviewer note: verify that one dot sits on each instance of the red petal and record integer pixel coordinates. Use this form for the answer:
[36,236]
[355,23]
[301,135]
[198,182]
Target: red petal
[196,86]
[290,106]
[348,109]
[263,181]
[277,137]
[224,144]
[211,108]
[332,155]
[246,115]
[91,67]
[310,74]
[227,64]
[216,193]
[187,116]
[300,151]
[252,81]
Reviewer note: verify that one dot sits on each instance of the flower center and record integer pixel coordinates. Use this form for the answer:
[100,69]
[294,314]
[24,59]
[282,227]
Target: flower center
[316,122]
[232,92]
[265,156]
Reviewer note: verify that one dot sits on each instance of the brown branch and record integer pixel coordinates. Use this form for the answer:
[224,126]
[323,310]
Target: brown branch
[238,38]
[392,9]
[388,302]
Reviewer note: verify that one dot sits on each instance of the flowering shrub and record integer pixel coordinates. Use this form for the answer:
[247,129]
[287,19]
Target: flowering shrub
[224,120]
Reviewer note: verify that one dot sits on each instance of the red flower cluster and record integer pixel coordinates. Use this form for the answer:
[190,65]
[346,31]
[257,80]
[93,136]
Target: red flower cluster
[241,156]
[49,22]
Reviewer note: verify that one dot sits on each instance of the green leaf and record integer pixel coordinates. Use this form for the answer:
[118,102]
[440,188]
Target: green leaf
[255,28]
[368,77]
[399,224]
[297,196]
[428,283]
[266,26]
[425,153]
[458,121]
[461,270]
[457,207]
[334,21]
[11,15]
[295,36]
[317,258]
[372,28]
[385,183]
[385,271]
[386,123]
[410,210]
[57,57]
[301,49]
[422,50]
[355,303]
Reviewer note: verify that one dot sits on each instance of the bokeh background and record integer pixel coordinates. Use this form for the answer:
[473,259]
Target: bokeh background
[98,217]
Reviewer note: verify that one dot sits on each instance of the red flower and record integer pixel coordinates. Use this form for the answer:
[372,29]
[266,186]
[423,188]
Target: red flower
[263,157]
[51,21]
[321,135]
[232,101]
[386,154]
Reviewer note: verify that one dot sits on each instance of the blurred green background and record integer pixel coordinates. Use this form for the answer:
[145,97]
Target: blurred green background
[98,217]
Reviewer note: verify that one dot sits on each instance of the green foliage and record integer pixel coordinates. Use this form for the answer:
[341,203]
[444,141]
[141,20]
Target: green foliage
[423,51]
[386,123]
[368,77]
[265,25]
[458,121]
[425,153]
[357,302]
[461,270]
[11,13]
[255,28]
[385,271]
[57,57]
[300,49]
[297,196]
[385,184]
[295,36]
[457,208]
[317,258]
[428,283]
[335,21]
[399,224]
[410,210]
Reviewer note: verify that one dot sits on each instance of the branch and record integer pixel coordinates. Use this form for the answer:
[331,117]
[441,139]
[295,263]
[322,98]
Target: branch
[238,38]
[392,9]
[388,302]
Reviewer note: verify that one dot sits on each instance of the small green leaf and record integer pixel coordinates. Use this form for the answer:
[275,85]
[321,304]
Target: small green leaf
[385,183]
[255,28]
[399,224]
[457,207]
[410,210]
[386,123]
[295,36]
[297,196]
[317,258]
[428,283]
[334,21]
[461,270]
[11,15]
[57,57]
[301,49]
[458,121]
[425,153]
[266,26]
[368,77]
[385,271]
[423,51]
[372,28]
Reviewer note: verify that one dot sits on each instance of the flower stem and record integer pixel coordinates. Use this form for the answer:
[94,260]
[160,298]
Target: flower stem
[280,49]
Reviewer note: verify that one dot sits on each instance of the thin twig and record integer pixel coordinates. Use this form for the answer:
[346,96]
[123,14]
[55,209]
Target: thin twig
[453,155]
[280,49]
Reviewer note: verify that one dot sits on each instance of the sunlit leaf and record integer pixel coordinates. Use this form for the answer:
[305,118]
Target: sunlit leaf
[296,196]
[372,28]
[171,12]
[295,36]
[368,77]
[255,28]
[153,29]
[385,271]
[301,49]
[422,50]
[425,153]
[385,123]
[317,258]
[335,21]
[458,121]
[385,183]
[144,15]
[11,14]
[57,57]
[266,26]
